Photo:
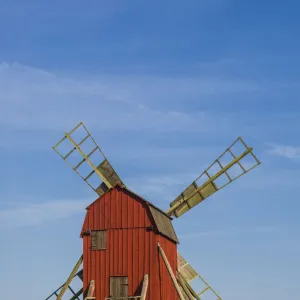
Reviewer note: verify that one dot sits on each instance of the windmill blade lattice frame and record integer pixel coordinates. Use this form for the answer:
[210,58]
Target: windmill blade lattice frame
[103,170]
[215,177]
[60,292]
[186,275]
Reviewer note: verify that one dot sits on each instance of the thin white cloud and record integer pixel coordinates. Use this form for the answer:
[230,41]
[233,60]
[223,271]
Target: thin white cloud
[38,213]
[161,187]
[34,99]
[229,231]
[291,152]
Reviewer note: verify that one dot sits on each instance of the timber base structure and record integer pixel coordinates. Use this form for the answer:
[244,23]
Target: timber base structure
[119,290]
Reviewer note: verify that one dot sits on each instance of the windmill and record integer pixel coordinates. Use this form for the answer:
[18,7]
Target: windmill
[87,159]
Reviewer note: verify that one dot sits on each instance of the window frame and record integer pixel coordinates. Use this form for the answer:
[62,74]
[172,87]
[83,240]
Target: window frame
[97,245]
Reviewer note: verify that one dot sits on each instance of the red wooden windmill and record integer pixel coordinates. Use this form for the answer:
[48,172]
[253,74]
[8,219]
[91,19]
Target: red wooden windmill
[129,245]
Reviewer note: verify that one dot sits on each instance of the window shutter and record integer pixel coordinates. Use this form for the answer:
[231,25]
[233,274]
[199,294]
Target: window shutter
[118,286]
[98,239]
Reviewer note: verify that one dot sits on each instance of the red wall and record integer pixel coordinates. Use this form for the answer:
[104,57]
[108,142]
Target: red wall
[131,249]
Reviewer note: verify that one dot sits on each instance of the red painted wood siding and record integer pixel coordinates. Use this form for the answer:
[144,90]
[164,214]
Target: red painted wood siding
[131,249]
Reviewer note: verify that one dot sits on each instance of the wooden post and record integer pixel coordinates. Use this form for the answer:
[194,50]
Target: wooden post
[145,287]
[170,272]
[90,293]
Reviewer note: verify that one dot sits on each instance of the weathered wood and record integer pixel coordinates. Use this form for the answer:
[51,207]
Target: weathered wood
[90,293]
[145,287]
[163,224]
[80,275]
[183,285]
[77,295]
[188,274]
[98,239]
[170,272]
[118,286]
[67,283]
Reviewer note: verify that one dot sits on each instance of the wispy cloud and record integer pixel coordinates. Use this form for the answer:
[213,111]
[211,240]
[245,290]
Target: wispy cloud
[229,231]
[41,100]
[50,102]
[37,213]
[291,152]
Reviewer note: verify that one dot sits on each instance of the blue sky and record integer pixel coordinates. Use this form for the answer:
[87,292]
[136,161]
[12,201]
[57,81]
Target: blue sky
[164,87]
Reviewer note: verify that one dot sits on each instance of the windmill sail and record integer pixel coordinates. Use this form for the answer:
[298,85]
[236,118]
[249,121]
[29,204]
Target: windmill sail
[81,152]
[187,276]
[61,291]
[236,161]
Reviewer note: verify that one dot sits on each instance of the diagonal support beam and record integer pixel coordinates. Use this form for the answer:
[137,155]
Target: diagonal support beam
[165,259]
[79,274]
[67,283]
[144,287]
[186,289]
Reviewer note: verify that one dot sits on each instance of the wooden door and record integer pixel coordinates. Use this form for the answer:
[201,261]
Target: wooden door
[118,286]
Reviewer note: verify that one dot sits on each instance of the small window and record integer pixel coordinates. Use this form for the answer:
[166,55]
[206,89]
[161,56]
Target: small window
[98,239]
[118,286]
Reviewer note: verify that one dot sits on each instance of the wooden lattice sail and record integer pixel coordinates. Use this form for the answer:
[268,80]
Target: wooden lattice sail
[89,157]
[224,170]
[186,275]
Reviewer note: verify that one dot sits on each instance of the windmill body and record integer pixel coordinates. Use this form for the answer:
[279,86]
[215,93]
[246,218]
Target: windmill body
[120,235]
[129,245]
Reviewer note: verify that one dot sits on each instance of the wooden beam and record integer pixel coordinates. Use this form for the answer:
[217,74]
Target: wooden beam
[183,285]
[145,287]
[67,283]
[56,291]
[90,293]
[170,272]
[77,294]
